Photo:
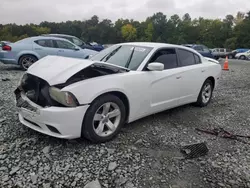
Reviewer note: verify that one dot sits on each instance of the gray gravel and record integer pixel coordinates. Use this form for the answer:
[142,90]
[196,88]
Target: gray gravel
[145,154]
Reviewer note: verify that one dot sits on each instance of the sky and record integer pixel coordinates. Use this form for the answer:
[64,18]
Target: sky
[36,11]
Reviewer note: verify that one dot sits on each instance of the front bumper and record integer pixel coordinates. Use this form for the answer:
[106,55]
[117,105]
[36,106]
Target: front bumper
[60,122]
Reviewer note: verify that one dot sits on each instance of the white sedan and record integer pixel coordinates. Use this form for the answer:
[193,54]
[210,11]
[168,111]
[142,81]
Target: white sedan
[243,56]
[70,98]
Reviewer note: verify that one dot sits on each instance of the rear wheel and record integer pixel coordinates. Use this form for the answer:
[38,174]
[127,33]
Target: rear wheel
[26,61]
[104,119]
[205,94]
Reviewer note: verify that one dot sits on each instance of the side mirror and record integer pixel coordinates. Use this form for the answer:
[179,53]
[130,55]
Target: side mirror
[76,48]
[155,66]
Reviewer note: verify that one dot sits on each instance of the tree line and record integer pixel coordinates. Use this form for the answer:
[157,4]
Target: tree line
[231,32]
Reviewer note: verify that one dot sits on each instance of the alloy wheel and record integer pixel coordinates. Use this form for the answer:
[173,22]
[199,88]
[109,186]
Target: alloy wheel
[206,93]
[27,62]
[106,119]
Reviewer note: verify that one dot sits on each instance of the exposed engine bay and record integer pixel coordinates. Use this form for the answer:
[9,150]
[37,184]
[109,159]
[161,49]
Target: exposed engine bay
[95,70]
[37,89]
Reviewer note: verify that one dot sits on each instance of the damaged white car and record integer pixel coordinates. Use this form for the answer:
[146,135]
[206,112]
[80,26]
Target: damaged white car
[70,98]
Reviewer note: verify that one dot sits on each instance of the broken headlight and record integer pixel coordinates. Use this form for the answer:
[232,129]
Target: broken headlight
[23,80]
[63,97]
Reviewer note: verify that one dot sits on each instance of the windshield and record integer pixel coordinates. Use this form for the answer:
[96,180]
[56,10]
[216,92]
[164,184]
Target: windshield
[77,42]
[128,56]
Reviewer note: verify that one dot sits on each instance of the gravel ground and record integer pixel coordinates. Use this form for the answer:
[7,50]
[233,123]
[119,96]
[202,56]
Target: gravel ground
[145,154]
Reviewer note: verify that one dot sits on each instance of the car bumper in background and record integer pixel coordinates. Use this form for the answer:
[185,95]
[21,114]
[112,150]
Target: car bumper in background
[7,58]
[8,61]
[58,122]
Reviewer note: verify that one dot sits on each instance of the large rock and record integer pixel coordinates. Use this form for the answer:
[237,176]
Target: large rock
[93,184]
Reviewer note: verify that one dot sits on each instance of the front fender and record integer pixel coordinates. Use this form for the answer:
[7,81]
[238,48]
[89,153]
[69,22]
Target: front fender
[134,84]
[88,90]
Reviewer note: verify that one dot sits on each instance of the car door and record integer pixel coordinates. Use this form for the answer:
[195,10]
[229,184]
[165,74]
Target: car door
[164,85]
[192,73]
[44,47]
[68,49]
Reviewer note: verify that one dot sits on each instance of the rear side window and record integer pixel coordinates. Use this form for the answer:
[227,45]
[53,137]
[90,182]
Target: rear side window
[64,44]
[186,58]
[45,43]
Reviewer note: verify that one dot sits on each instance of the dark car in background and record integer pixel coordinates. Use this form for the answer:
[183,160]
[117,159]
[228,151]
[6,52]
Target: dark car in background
[77,42]
[202,49]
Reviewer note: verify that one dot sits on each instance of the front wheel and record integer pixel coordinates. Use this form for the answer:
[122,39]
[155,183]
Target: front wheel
[205,94]
[104,119]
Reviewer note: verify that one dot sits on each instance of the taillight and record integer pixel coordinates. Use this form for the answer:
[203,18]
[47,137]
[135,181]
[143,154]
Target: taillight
[6,48]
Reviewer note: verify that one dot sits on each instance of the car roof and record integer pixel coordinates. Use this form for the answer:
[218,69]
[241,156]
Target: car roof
[151,44]
[54,34]
[159,45]
[44,37]
[192,45]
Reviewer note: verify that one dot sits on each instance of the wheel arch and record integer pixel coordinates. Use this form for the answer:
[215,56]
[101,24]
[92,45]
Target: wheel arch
[121,96]
[30,54]
[212,79]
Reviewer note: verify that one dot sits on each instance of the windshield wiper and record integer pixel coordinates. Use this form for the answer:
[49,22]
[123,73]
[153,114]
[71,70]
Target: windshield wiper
[130,57]
[107,57]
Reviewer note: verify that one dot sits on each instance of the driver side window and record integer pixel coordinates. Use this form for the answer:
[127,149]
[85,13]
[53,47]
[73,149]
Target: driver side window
[167,57]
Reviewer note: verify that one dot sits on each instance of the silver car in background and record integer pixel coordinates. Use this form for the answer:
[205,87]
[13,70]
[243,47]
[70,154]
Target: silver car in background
[27,51]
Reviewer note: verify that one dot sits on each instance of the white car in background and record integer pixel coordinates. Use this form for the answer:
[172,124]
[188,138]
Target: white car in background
[69,98]
[243,56]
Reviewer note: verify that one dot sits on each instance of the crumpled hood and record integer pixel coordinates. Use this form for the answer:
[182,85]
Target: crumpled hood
[57,69]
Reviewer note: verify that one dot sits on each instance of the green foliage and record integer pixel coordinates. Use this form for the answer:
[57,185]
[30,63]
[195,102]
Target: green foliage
[128,32]
[231,43]
[231,32]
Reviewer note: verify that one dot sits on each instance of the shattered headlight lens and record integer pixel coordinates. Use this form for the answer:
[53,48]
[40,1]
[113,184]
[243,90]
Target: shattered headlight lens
[63,97]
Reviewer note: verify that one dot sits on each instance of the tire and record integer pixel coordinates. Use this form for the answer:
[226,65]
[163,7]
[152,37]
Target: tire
[26,61]
[89,126]
[201,102]
[242,57]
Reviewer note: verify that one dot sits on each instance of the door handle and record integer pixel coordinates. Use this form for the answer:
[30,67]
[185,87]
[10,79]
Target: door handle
[178,77]
[60,50]
[203,70]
